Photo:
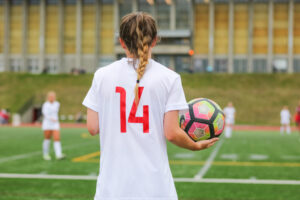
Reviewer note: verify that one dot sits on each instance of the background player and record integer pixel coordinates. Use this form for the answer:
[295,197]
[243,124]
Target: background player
[134,102]
[285,117]
[229,112]
[297,116]
[51,126]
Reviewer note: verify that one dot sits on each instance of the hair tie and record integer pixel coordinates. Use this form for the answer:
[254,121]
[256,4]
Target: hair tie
[137,81]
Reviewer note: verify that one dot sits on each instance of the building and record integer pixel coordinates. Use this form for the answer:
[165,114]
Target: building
[229,36]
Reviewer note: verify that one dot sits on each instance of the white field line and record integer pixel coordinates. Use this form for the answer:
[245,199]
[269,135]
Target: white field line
[27,155]
[191,180]
[209,161]
[241,181]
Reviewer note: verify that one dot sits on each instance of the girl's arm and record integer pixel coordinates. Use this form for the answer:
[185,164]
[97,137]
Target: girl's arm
[45,112]
[92,122]
[178,137]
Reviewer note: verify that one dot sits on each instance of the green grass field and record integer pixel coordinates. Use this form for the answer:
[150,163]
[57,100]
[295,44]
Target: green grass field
[248,156]
[258,98]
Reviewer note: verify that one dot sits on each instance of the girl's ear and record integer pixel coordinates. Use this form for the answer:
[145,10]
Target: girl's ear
[122,43]
[154,42]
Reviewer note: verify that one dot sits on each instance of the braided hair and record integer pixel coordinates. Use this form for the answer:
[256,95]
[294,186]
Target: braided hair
[138,31]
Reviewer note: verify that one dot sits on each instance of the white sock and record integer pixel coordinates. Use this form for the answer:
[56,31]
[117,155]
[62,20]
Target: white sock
[57,149]
[288,130]
[228,132]
[46,145]
[281,130]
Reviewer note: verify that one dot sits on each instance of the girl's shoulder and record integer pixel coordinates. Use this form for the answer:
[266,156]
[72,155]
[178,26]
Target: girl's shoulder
[163,70]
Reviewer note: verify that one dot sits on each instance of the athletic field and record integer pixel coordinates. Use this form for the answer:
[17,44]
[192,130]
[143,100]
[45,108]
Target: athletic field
[250,165]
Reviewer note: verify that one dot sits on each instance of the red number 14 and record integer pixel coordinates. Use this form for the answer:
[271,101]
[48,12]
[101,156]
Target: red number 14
[132,116]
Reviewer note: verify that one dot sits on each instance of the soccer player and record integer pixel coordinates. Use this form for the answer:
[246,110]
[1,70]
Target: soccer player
[285,117]
[134,103]
[229,112]
[51,127]
[297,116]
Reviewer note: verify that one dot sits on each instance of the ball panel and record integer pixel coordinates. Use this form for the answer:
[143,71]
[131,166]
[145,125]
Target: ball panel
[216,105]
[203,110]
[184,119]
[219,124]
[199,131]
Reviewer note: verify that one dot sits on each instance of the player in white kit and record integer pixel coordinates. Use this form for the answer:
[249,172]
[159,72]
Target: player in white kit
[133,103]
[51,127]
[229,112]
[285,118]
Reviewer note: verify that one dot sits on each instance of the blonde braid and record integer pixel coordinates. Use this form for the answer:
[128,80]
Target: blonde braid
[143,53]
[138,31]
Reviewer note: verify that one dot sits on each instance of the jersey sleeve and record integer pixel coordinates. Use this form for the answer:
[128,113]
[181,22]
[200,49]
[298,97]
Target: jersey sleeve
[91,100]
[176,99]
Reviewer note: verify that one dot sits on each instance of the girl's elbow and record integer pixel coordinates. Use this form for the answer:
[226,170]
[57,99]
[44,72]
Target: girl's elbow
[93,131]
[170,135]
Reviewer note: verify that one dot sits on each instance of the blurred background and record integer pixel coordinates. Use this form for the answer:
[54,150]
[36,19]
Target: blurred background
[241,51]
[228,36]
[245,51]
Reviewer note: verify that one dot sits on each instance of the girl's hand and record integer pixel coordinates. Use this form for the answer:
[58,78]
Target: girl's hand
[204,144]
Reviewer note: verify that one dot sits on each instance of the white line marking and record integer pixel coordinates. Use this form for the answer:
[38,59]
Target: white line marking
[229,156]
[209,161]
[203,180]
[258,157]
[48,176]
[290,157]
[20,156]
[27,155]
[241,181]
[184,155]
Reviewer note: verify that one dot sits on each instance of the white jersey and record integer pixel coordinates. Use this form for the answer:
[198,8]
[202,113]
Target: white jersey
[285,116]
[229,115]
[50,114]
[134,161]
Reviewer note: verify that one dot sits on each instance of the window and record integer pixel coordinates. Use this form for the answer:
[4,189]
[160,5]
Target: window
[220,65]
[240,66]
[33,65]
[125,7]
[163,14]
[200,65]
[51,66]
[182,14]
[2,69]
[89,1]
[183,63]
[297,65]
[34,2]
[145,6]
[70,1]
[16,2]
[15,65]
[259,65]
[51,2]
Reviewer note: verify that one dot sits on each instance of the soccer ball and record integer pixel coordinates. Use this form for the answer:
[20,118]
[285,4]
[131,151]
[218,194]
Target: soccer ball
[204,119]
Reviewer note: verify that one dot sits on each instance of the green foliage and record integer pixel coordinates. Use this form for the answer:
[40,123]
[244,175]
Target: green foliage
[258,98]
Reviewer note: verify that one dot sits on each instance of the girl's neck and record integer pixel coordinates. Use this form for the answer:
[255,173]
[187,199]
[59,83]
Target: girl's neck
[129,55]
